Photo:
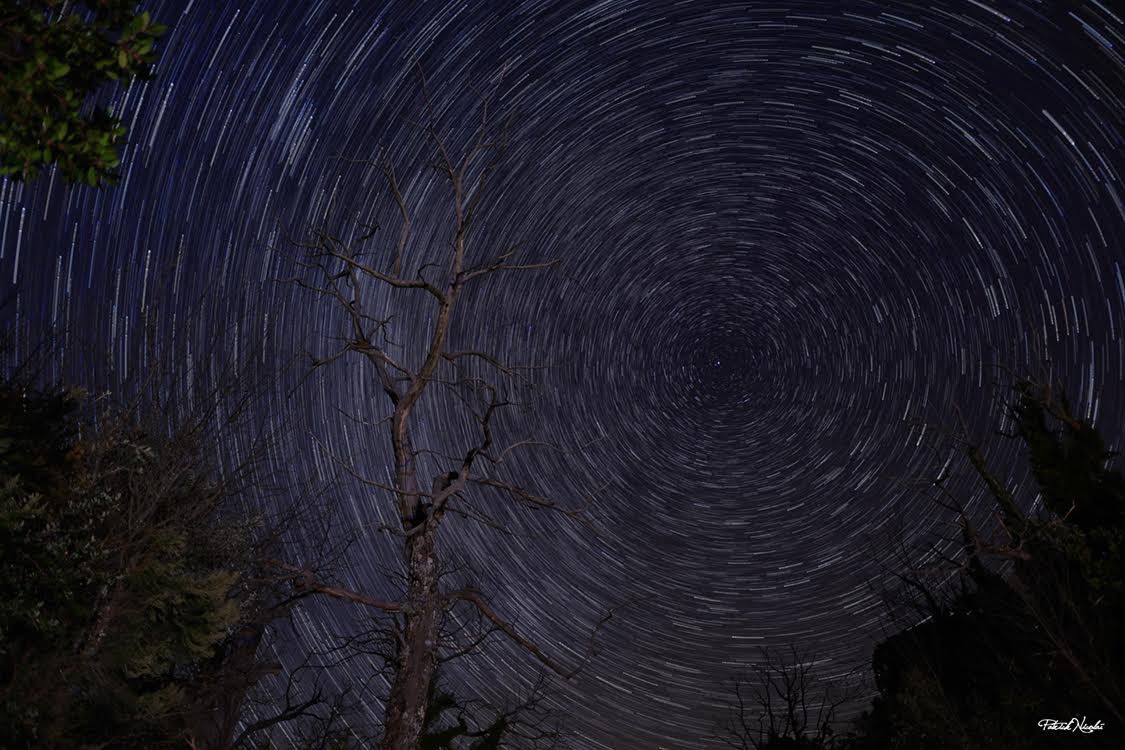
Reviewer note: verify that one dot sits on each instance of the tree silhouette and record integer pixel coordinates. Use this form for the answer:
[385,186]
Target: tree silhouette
[785,705]
[1030,628]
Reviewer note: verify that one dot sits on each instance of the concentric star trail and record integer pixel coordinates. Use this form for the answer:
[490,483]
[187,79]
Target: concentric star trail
[789,234]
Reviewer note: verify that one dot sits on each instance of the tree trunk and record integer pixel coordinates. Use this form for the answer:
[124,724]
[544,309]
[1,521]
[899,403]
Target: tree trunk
[417,656]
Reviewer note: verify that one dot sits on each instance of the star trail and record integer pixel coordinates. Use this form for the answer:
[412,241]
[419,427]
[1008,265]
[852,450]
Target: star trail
[792,236]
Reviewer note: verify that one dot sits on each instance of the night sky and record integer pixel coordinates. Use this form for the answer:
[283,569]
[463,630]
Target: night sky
[791,233]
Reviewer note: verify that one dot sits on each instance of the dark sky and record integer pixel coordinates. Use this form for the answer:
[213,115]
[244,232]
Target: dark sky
[790,232]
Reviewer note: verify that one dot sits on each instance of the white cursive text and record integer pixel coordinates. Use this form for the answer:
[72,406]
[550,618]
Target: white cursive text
[1074,725]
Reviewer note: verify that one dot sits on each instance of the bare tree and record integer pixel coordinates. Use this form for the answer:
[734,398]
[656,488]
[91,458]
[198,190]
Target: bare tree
[785,704]
[343,274]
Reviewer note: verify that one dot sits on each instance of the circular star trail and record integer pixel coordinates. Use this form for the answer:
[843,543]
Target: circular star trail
[790,236]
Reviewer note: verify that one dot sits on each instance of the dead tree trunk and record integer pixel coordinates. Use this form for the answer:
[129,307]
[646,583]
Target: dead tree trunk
[343,270]
[417,653]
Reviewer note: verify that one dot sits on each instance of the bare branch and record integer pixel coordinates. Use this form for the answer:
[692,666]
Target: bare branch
[499,265]
[531,499]
[404,235]
[475,598]
[306,581]
[392,280]
[506,369]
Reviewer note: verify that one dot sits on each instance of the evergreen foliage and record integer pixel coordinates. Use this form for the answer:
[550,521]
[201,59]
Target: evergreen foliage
[121,585]
[1033,629]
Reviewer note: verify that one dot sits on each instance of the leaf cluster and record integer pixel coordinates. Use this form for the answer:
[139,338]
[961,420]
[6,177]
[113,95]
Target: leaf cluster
[53,56]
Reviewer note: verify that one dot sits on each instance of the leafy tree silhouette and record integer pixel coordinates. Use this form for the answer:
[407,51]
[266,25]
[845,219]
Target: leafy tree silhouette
[1031,628]
[54,55]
